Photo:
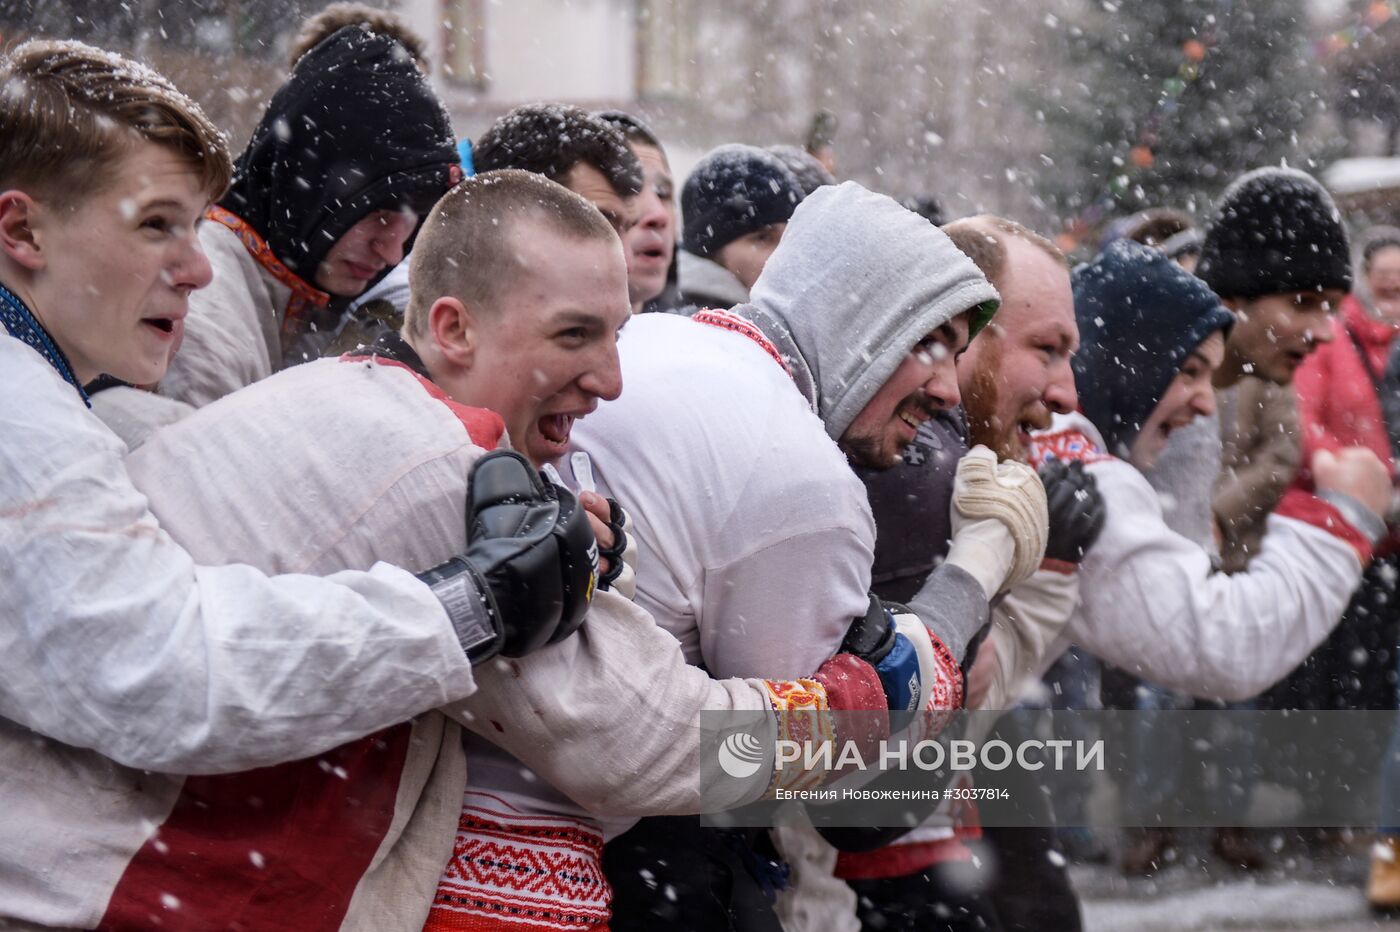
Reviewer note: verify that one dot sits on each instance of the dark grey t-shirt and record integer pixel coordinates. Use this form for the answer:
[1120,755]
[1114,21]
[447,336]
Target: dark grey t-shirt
[911,505]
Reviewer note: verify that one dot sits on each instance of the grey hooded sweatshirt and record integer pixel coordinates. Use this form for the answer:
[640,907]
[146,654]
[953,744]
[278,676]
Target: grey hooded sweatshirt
[855,284]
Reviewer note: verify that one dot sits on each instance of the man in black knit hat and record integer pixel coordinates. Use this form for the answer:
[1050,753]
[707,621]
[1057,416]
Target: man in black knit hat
[1277,255]
[734,208]
[351,153]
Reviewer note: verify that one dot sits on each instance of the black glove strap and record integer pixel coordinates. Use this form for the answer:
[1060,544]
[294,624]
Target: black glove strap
[467,599]
[872,637]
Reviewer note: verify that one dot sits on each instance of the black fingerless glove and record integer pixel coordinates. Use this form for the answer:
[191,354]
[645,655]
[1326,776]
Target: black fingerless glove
[531,564]
[617,523]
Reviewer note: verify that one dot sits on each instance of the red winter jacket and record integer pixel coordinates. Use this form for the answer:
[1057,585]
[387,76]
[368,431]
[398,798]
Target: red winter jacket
[1337,402]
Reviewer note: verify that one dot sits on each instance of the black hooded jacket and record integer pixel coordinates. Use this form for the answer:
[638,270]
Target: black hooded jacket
[1140,316]
[356,128]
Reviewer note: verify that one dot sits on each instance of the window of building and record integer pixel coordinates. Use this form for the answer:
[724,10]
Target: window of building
[663,48]
[464,58]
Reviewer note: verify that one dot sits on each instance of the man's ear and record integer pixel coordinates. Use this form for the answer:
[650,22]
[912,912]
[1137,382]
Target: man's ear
[17,238]
[455,331]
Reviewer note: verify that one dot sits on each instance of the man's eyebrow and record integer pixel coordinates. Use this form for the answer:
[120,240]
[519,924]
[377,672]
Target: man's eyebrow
[163,203]
[577,319]
[949,334]
[1060,336]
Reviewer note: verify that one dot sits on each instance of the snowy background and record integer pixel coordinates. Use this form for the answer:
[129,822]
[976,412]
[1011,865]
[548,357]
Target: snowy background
[1061,113]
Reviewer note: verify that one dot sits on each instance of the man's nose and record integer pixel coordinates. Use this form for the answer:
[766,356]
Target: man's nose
[1060,395]
[942,386]
[654,214]
[192,271]
[1204,402]
[1321,333]
[605,379]
[389,243]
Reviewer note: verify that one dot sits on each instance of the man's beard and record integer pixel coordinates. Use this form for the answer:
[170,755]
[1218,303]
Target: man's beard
[868,453]
[873,452]
[981,401]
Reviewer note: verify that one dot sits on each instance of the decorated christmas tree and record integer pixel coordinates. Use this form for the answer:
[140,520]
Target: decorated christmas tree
[1169,101]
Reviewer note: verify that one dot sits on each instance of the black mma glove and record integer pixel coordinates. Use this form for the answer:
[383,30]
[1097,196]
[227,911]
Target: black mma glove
[1076,509]
[530,567]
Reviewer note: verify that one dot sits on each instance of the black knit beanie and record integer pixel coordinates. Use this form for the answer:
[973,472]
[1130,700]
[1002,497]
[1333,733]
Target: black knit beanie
[733,191]
[1276,231]
[810,173]
[1140,316]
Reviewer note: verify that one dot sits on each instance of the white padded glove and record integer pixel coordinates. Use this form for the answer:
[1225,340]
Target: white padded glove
[1009,494]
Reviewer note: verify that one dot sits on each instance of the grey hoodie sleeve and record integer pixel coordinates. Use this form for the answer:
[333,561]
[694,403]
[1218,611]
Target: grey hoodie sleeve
[952,605]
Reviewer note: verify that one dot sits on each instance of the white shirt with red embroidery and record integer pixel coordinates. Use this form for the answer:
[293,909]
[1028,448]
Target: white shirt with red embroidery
[1151,602]
[756,537]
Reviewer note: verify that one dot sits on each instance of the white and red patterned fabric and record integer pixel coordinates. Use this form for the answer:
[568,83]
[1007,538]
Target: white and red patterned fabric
[513,870]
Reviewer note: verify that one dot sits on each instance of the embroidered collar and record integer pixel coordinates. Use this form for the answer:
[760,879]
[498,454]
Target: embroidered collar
[726,320]
[304,298]
[20,323]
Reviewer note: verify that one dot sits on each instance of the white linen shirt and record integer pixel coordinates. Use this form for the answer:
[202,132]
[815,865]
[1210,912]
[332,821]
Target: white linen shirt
[755,537]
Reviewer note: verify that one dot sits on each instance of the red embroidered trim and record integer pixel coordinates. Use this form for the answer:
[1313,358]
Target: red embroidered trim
[1068,446]
[948,693]
[521,875]
[736,324]
[303,297]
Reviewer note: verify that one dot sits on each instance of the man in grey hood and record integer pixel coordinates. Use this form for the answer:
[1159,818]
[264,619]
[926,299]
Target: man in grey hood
[733,440]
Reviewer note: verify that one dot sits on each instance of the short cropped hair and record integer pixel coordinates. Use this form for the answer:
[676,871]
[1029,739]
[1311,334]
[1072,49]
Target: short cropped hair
[550,139]
[466,250]
[68,111]
[631,128]
[1373,241]
[983,240]
[316,29]
[1156,225]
